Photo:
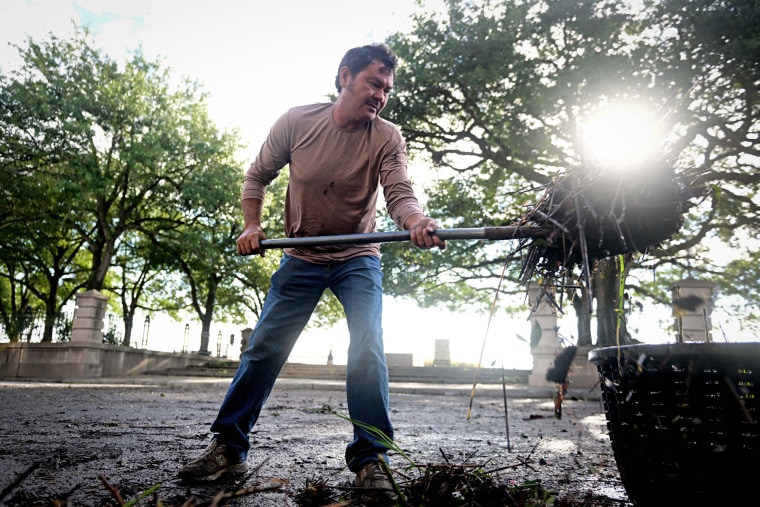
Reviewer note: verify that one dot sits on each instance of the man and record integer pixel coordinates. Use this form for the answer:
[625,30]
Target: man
[340,155]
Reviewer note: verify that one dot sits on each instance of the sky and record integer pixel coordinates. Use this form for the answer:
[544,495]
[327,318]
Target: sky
[255,60]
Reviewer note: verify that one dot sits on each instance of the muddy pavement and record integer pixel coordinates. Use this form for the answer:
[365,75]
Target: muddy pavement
[90,443]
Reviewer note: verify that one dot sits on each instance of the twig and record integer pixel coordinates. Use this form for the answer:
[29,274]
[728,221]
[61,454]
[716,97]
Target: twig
[516,465]
[252,473]
[447,465]
[584,245]
[506,411]
[488,326]
[225,495]
[217,498]
[13,485]
[114,492]
[70,492]
[552,221]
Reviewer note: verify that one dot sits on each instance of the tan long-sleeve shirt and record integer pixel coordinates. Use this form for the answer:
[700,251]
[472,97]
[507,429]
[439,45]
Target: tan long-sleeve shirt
[335,178]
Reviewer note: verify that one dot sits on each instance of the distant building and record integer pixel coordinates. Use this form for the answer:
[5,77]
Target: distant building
[399,359]
[442,353]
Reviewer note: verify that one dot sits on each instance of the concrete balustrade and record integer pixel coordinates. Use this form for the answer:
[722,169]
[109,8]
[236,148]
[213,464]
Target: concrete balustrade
[86,356]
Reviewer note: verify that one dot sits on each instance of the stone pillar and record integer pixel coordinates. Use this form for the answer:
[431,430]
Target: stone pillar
[245,335]
[89,312]
[544,345]
[442,353]
[692,307]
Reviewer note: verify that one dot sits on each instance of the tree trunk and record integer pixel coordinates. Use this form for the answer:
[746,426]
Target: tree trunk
[610,325]
[129,324]
[50,315]
[208,313]
[582,307]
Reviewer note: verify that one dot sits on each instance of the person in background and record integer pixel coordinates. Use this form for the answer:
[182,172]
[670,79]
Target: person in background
[340,155]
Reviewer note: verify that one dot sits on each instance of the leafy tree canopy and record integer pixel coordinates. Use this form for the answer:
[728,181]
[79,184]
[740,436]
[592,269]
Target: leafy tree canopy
[496,96]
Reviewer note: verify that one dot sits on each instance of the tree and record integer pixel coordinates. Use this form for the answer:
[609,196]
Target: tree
[494,96]
[118,181]
[204,256]
[109,153]
[141,269]
[119,145]
[221,282]
[41,263]
[705,57]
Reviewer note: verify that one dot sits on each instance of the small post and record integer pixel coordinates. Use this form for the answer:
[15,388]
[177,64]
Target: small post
[146,330]
[506,412]
[186,339]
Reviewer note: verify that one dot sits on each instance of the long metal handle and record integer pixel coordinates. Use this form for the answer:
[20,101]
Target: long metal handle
[489,233]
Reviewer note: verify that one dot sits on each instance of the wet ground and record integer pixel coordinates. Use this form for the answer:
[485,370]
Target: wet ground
[95,443]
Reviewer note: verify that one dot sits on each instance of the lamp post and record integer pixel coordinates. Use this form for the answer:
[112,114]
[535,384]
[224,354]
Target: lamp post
[219,344]
[186,339]
[146,329]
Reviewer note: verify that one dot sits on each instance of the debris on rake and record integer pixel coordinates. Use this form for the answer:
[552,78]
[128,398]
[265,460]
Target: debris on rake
[597,214]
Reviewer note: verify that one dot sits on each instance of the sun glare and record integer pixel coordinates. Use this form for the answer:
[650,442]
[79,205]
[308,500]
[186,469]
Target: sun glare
[618,136]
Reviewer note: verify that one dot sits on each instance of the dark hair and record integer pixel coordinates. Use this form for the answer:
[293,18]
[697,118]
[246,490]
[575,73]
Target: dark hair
[358,59]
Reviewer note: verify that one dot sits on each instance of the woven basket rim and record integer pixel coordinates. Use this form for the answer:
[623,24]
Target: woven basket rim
[712,349]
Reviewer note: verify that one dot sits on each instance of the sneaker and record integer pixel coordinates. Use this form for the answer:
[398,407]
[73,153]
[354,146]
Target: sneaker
[376,483]
[217,461]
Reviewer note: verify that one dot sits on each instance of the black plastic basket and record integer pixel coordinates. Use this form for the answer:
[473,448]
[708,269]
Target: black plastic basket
[683,421]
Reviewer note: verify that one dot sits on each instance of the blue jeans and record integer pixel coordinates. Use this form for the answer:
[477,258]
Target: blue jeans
[295,291]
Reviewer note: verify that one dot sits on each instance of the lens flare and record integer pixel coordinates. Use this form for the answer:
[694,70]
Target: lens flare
[619,136]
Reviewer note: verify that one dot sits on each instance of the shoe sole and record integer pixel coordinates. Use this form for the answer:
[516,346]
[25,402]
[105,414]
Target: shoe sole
[233,471]
[377,494]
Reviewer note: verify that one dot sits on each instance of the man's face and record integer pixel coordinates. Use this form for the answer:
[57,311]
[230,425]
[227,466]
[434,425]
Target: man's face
[366,93]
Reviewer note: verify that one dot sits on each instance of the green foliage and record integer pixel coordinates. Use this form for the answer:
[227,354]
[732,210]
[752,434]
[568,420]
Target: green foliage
[142,495]
[488,92]
[706,55]
[132,184]
[115,178]
[493,95]
[380,435]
